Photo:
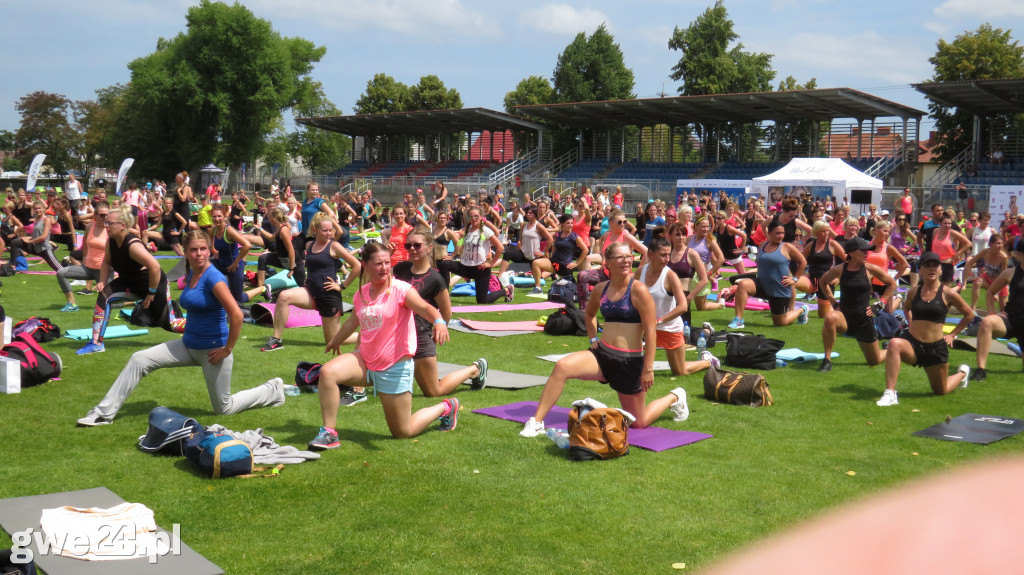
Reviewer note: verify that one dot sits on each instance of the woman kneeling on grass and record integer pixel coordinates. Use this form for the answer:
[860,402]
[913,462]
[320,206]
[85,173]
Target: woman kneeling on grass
[387,343]
[623,356]
[212,326]
[924,344]
[1009,323]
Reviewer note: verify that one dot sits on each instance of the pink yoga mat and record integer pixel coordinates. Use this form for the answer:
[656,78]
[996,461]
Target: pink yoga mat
[652,438]
[752,303]
[39,273]
[506,307]
[530,325]
[263,314]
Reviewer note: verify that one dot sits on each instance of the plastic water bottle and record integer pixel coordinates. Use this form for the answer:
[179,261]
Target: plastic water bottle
[1013,347]
[686,330]
[560,437]
[780,363]
[701,344]
[292,390]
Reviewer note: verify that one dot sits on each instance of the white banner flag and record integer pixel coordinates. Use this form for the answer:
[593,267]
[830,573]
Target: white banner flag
[125,166]
[33,172]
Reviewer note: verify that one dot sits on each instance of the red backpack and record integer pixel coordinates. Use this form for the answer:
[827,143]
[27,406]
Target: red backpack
[37,365]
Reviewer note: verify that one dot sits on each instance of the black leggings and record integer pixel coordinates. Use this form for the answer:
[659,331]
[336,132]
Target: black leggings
[19,245]
[481,278]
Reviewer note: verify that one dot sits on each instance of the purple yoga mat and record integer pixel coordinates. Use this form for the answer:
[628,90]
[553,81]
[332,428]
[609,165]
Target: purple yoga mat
[651,438]
[505,307]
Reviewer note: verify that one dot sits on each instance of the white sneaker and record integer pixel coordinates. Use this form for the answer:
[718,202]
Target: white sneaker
[503,279]
[888,399]
[93,419]
[967,374]
[680,411]
[709,357]
[533,428]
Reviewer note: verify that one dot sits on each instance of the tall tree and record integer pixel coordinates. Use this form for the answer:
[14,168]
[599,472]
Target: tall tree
[431,94]
[320,151]
[985,54]
[46,128]
[592,68]
[214,92]
[529,92]
[709,66]
[383,95]
[97,121]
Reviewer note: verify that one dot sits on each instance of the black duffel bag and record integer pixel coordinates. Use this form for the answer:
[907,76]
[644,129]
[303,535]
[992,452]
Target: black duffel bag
[751,351]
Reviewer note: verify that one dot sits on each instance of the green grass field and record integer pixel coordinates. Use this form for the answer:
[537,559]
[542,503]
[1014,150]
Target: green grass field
[481,499]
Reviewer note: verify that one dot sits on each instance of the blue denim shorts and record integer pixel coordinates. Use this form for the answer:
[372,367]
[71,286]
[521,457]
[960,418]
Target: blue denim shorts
[394,380]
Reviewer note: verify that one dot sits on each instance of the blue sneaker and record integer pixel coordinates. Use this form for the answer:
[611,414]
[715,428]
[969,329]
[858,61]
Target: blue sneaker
[324,440]
[92,348]
[69,307]
[804,313]
[737,323]
[450,421]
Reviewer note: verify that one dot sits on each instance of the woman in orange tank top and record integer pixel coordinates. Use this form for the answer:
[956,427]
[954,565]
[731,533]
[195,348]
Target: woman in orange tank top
[882,253]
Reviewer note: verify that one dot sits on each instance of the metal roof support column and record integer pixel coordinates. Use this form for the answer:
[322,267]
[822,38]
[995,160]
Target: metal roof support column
[976,138]
[872,139]
[860,138]
[671,148]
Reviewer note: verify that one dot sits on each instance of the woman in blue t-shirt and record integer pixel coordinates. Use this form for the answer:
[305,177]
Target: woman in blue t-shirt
[212,326]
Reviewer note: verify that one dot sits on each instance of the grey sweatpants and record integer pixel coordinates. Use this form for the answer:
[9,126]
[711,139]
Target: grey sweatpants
[75,273]
[175,354]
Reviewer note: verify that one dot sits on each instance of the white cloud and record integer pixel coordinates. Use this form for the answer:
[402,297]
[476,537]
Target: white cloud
[980,10]
[431,21]
[866,57]
[563,19]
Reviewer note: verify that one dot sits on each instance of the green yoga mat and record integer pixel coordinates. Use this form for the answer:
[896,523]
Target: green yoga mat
[113,332]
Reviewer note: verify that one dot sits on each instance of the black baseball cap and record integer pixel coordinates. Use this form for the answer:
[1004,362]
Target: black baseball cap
[928,257]
[858,243]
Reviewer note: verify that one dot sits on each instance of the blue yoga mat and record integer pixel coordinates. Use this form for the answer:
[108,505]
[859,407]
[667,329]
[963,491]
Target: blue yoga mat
[281,281]
[800,356]
[113,332]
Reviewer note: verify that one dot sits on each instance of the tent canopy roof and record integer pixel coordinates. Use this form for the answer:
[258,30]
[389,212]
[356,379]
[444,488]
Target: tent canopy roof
[818,172]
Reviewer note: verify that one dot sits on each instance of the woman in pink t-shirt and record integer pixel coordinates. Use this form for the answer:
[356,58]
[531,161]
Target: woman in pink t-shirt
[387,342]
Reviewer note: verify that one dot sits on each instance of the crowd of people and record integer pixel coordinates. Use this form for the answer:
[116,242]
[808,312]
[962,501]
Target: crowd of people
[649,276]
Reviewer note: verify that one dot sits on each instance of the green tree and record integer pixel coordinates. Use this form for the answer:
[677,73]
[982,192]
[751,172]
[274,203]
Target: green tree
[214,92]
[96,121]
[431,94]
[985,54]
[7,140]
[46,128]
[592,69]
[709,66]
[529,91]
[13,164]
[319,150]
[383,95]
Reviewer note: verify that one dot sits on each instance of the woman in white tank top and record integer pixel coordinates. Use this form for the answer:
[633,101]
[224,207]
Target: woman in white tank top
[669,305]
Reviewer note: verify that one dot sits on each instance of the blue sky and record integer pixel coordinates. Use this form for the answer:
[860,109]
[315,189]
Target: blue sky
[483,49]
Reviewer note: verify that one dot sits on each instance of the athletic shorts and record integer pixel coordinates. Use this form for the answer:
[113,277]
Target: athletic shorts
[394,380]
[670,339]
[171,240]
[705,291]
[776,305]
[928,354]
[860,327]
[425,346]
[1014,329]
[988,281]
[735,261]
[562,270]
[947,273]
[515,255]
[816,284]
[621,368]
[327,303]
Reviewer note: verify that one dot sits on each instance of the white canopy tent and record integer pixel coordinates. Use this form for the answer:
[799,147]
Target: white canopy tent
[848,184]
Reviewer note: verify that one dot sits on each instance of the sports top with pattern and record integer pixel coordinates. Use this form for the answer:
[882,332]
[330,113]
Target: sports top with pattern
[934,311]
[386,330]
[622,310]
[476,246]
[564,247]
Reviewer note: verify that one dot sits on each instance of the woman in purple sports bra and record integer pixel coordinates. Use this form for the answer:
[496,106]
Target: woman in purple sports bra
[623,355]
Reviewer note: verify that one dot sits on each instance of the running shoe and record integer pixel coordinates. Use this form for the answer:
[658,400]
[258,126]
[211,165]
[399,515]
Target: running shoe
[69,307]
[93,419]
[352,397]
[826,366]
[804,314]
[272,344]
[533,428]
[710,358]
[324,440]
[480,380]
[536,291]
[967,375]
[680,411]
[268,292]
[91,347]
[737,323]
[85,292]
[979,374]
[888,399]
[510,293]
[451,421]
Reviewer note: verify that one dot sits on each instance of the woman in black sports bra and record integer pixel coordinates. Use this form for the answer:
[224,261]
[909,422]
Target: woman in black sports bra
[623,355]
[822,253]
[924,344]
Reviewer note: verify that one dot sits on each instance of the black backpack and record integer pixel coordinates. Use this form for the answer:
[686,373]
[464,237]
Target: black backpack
[567,321]
[37,365]
[751,351]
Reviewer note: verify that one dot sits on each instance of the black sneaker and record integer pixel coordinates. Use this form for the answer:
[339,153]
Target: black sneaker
[352,397]
[979,374]
[273,344]
[480,380]
[826,366]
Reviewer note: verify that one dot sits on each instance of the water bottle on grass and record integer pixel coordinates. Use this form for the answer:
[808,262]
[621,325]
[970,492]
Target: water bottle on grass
[560,437]
[702,344]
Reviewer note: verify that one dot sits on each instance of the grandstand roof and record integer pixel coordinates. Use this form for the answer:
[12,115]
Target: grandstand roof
[422,122]
[982,97]
[824,104]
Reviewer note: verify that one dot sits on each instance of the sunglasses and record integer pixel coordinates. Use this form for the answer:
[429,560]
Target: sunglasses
[621,222]
[414,246]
